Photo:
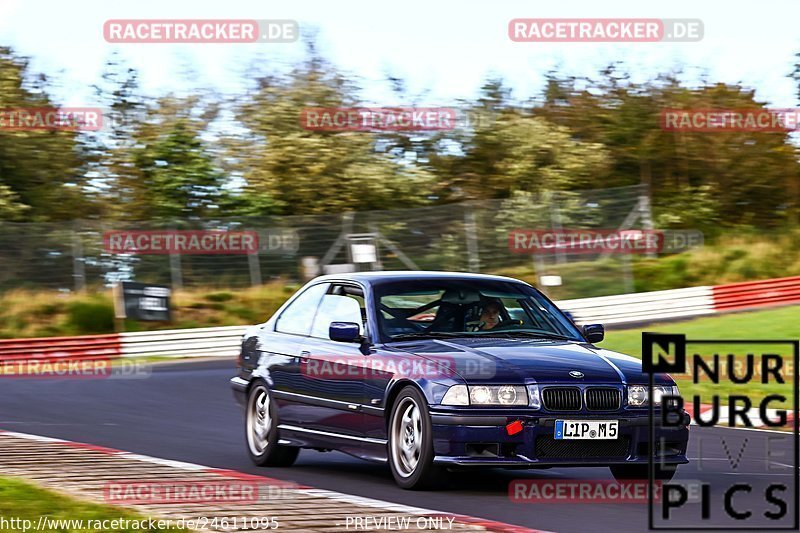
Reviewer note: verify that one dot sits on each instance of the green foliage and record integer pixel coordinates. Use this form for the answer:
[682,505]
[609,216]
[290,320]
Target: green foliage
[780,323]
[700,180]
[246,314]
[90,317]
[41,172]
[10,206]
[220,297]
[662,274]
[173,160]
[27,502]
[290,170]
[49,309]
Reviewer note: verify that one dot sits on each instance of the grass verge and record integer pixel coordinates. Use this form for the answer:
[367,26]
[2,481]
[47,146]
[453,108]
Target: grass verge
[770,324]
[44,314]
[23,501]
[732,258]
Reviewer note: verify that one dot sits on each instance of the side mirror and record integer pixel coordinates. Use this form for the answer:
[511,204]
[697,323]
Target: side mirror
[344,332]
[594,332]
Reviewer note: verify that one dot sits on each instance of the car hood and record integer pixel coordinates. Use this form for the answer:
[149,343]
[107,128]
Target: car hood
[519,360]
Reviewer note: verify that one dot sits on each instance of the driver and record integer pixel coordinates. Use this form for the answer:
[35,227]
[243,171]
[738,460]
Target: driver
[490,315]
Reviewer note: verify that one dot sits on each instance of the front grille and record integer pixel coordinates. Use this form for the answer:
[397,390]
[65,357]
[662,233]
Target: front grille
[562,398]
[549,448]
[603,399]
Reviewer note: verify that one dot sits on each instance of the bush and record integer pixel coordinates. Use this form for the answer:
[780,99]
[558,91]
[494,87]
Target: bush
[247,314]
[50,309]
[90,317]
[219,297]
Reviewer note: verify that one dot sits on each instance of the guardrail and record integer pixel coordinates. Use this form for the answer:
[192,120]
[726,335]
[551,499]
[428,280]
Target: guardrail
[642,306]
[750,294]
[194,342]
[85,347]
[225,341]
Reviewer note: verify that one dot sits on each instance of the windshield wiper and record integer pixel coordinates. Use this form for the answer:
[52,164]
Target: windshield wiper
[429,335]
[531,334]
[479,334]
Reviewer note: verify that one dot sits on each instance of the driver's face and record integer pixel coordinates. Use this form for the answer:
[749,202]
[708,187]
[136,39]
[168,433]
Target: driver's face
[490,317]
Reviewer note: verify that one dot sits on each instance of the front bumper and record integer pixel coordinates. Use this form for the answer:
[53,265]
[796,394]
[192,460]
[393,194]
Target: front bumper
[239,387]
[482,440]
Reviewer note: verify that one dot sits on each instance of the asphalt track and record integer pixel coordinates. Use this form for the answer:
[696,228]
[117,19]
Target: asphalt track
[185,411]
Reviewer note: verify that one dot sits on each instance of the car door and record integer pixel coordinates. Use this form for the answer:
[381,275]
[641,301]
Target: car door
[283,348]
[334,372]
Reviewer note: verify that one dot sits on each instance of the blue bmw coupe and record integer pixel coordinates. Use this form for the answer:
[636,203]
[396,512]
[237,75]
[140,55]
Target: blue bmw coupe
[431,371]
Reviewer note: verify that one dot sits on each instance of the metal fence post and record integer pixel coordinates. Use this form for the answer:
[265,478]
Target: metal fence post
[175,271]
[78,263]
[175,267]
[470,229]
[255,268]
[555,221]
[627,270]
[646,214]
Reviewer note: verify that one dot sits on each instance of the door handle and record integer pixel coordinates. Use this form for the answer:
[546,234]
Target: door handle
[304,355]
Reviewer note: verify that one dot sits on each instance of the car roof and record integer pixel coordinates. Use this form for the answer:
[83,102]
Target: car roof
[371,278]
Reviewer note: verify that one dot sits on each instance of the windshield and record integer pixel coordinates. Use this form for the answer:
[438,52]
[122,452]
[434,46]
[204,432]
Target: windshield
[468,308]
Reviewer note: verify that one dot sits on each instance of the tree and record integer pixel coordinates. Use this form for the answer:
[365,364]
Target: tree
[697,179]
[174,175]
[290,170]
[515,151]
[42,172]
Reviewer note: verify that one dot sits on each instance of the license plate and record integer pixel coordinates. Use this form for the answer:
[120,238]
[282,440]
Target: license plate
[586,429]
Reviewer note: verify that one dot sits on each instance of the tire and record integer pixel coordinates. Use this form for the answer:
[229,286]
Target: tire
[410,443]
[634,472]
[261,429]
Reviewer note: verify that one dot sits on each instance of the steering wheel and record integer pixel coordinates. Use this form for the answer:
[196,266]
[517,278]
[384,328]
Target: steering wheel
[476,325]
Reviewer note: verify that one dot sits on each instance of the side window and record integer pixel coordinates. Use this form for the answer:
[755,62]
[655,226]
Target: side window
[342,305]
[297,318]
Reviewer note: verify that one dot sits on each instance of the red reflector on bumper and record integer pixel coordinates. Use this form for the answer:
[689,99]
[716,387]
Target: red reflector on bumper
[514,427]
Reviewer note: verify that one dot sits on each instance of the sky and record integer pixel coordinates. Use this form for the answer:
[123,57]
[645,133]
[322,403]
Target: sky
[444,49]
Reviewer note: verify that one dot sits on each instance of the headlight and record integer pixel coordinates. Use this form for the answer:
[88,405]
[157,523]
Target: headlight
[486,395]
[637,394]
[498,395]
